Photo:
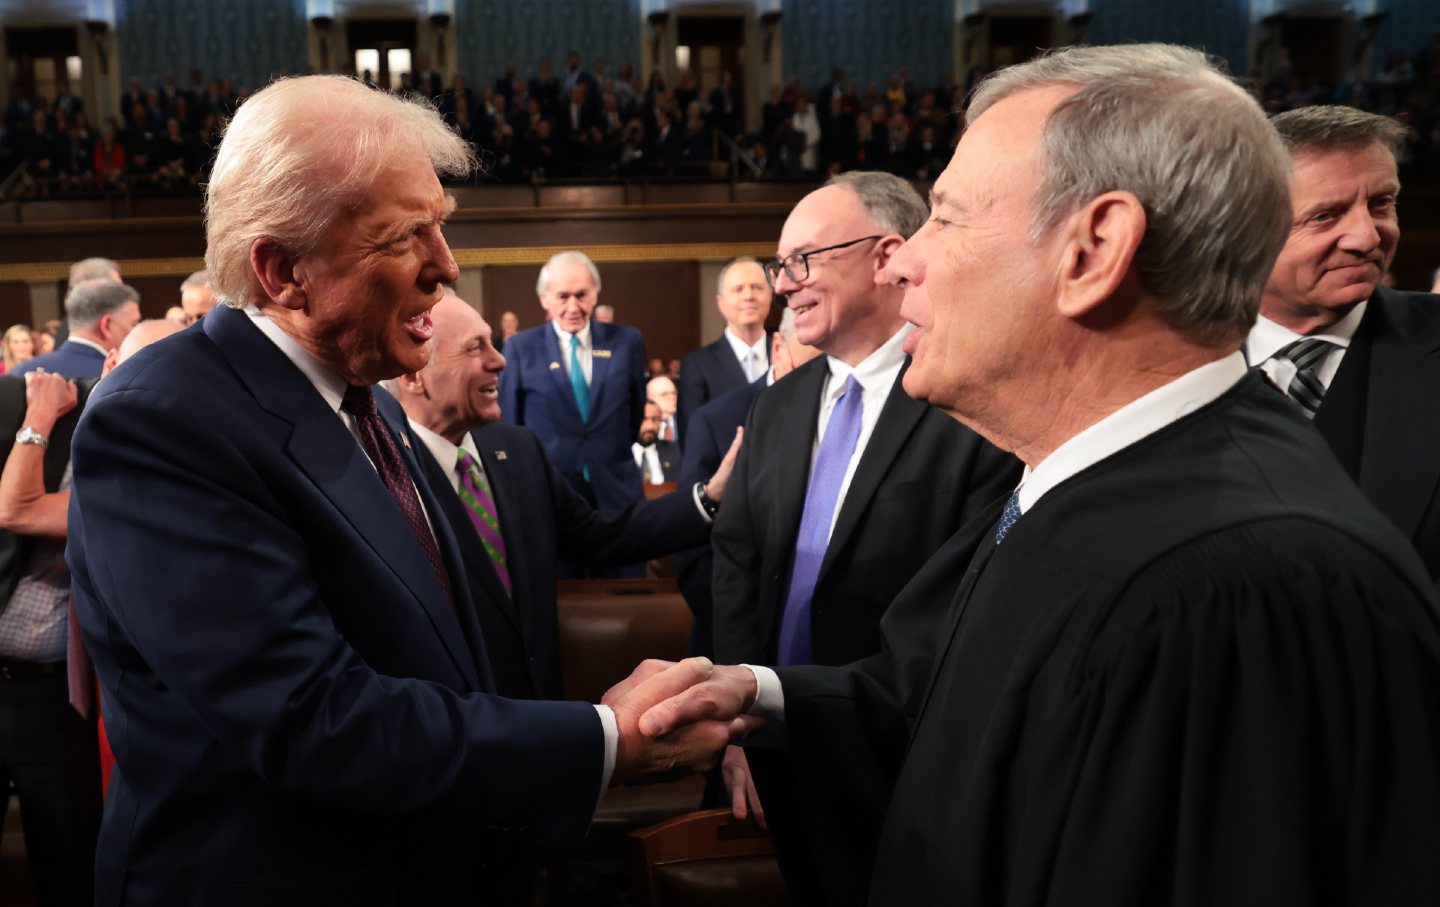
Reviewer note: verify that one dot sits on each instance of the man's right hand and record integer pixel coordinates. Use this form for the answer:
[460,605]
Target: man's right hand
[681,748]
[725,693]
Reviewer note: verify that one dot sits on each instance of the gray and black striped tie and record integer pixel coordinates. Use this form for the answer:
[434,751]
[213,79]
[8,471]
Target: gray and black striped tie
[1305,388]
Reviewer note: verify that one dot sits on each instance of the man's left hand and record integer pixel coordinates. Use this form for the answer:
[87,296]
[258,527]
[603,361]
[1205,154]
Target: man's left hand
[715,488]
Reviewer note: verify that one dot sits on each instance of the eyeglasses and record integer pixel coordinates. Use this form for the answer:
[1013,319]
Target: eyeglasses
[797,266]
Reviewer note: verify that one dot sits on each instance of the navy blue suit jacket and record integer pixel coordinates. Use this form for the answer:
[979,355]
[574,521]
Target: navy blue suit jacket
[705,375]
[710,433]
[535,392]
[70,360]
[541,518]
[298,713]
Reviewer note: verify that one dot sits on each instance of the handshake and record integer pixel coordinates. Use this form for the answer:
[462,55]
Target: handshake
[677,717]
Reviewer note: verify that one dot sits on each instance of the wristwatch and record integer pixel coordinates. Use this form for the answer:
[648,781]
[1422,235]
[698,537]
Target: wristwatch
[28,435]
[711,505]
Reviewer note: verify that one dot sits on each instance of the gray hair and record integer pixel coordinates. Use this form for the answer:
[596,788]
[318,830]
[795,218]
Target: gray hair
[195,281]
[889,201]
[1164,124]
[92,269]
[1330,127]
[571,256]
[742,260]
[90,300]
[298,154]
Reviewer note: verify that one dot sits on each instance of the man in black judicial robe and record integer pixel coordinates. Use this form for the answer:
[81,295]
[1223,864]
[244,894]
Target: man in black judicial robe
[1187,663]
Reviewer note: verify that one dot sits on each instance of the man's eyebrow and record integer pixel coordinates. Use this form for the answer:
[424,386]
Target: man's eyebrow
[450,206]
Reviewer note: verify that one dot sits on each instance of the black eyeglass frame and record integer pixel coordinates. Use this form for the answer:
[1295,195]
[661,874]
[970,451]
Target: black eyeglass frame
[775,265]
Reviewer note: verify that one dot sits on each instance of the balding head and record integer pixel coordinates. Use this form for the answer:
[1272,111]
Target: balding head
[141,336]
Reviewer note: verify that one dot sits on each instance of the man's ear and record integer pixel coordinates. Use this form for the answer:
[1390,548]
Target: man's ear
[887,247]
[412,383]
[1099,248]
[281,276]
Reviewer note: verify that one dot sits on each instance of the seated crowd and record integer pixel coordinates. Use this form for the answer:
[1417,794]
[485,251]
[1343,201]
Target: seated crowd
[1073,540]
[595,124]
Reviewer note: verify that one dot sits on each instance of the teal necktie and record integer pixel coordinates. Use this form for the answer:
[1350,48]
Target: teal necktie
[577,379]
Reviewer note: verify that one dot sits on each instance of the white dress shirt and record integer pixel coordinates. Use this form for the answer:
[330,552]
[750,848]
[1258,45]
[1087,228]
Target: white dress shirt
[585,353]
[1268,338]
[876,375]
[332,387]
[85,341]
[647,457]
[751,355]
[447,454]
[1130,423]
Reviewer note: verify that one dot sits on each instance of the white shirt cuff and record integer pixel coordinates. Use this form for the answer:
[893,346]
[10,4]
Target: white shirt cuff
[612,742]
[769,694]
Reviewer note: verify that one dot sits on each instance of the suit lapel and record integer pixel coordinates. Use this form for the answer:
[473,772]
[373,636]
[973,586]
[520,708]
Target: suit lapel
[558,374]
[1399,470]
[796,440]
[897,420]
[326,452]
[600,347]
[509,496]
[731,374]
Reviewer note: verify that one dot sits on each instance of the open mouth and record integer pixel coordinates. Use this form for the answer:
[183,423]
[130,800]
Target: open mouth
[421,327]
[489,390]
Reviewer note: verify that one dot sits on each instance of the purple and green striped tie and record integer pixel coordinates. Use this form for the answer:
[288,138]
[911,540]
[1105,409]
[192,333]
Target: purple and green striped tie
[475,493]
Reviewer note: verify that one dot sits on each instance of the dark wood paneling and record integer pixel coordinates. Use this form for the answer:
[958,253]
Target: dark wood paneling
[14,305]
[156,294]
[657,298]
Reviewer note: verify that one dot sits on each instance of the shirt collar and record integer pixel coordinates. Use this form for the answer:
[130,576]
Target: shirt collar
[871,370]
[86,341]
[445,453]
[330,385]
[1268,337]
[743,349]
[564,335]
[1131,423]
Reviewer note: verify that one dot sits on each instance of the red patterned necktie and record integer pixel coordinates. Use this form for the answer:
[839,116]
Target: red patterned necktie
[380,447]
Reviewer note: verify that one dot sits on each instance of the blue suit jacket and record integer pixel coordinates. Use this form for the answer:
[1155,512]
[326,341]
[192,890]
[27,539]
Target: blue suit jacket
[535,392]
[541,518]
[707,374]
[297,711]
[69,360]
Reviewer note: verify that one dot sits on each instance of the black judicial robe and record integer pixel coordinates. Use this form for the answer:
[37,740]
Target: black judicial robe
[1203,671]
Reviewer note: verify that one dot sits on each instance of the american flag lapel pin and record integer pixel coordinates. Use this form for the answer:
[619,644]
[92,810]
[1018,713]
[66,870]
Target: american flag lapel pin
[405,439]
[499,454]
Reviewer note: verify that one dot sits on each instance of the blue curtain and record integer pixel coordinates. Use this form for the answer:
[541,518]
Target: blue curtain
[869,39]
[491,33]
[1218,27]
[246,41]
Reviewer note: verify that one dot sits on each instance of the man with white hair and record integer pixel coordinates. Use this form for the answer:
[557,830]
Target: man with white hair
[300,701]
[1188,662]
[579,384]
[196,297]
[100,313]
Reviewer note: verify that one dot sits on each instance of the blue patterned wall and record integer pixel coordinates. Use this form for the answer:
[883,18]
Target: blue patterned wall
[1407,27]
[1219,27]
[246,41]
[493,32]
[869,40]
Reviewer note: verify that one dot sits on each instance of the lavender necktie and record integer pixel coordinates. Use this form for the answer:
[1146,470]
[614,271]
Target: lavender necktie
[826,476]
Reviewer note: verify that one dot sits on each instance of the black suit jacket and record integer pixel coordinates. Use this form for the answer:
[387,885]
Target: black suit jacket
[921,475]
[709,435]
[707,373]
[1381,414]
[543,518]
[15,549]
